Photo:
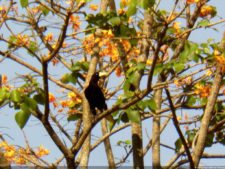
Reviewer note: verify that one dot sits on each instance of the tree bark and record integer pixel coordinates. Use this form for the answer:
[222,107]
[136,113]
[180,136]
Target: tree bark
[87,121]
[87,143]
[107,3]
[3,162]
[108,148]
[203,131]
[201,140]
[138,161]
[156,130]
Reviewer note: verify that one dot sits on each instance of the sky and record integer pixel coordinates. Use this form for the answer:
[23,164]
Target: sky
[37,135]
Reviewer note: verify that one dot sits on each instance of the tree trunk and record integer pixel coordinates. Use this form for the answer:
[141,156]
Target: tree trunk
[86,146]
[87,121]
[3,162]
[156,131]
[108,148]
[138,161]
[203,131]
[137,145]
[107,3]
[201,140]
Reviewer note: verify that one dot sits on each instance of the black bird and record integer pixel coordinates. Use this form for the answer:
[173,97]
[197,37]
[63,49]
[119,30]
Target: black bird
[94,95]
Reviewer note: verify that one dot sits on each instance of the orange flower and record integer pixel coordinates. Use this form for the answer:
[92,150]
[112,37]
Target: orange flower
[176,26]
[172,17]
[72,111]
[74,97]
[130,20]
[3,144]
[89,43]
[64,103]
[118,71]
[64,45]
[183,81]
[126,44]
[49,37]
[202,90]
[220,59]
[55,61]
[107,34]
[51,98]
[35,10]
[74,20]
[42,151]
[4,79]
[124,3]
[149,62]
[2,10]
[207,10]
[208,73]
[20,160]
[22,40]
[93,7]
[186,117]
[179,118]
[121,11]
[192,1]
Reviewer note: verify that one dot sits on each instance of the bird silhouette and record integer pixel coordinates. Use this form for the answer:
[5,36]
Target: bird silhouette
[94,95]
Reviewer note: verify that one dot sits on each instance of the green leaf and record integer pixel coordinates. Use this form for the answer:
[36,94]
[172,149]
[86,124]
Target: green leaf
[80,66]
[191,135]
[2,95]
[141,66]
[204,23]
[133,115]
[115,21]
[12,40]
[126,31]
[126,87]
[40,98]
[191,100]
[152,105]
[65,78]
[33,46]
[24,3]
[178,145]
[158,69]
[188,53]
[143,104]
[146,3]
[209,139]
[73,77]
[15,96]
[45,10]
[29,105]
[74,117]
[99,19]
[119,142]
[179,67]
[132,9]
[128,142]
[124,118]
[21,118]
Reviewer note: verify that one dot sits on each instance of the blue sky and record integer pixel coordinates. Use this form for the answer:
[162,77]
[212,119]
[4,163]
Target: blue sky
[37,135]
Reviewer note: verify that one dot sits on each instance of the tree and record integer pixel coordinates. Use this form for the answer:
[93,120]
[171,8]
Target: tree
[156,69]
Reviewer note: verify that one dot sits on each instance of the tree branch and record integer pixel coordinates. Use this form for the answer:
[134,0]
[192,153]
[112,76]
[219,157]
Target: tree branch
[176,124]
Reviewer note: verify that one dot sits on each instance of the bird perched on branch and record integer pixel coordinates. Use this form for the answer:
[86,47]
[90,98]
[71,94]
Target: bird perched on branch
[96,98]
[94,95]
